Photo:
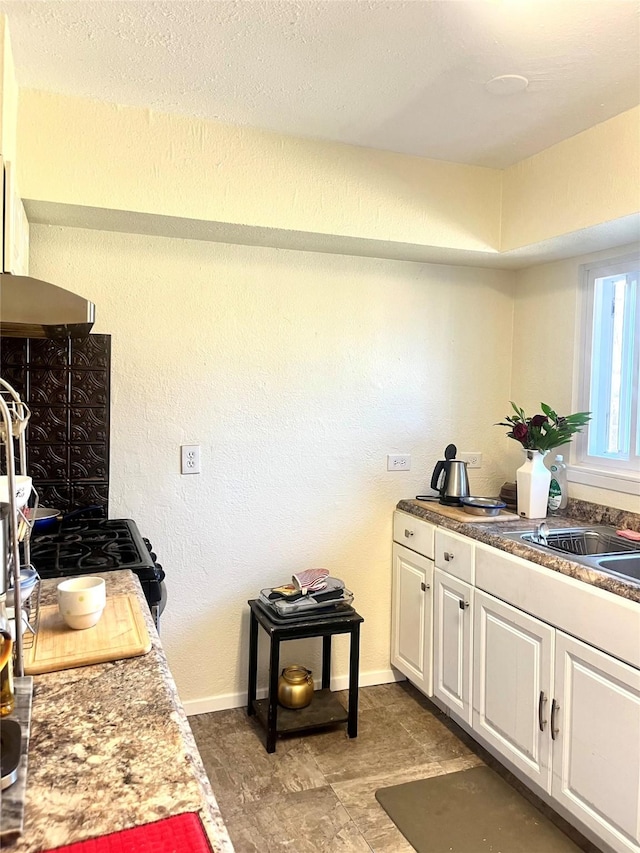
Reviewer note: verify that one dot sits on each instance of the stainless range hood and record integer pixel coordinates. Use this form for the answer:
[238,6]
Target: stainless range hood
[30,308]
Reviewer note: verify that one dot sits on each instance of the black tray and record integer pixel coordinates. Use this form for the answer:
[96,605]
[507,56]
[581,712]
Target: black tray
[306,616]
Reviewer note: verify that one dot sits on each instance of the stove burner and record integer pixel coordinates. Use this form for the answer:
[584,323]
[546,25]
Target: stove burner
[91,544]
[57,553]
[57,538]
[81,547]
[98,561]
[78,531]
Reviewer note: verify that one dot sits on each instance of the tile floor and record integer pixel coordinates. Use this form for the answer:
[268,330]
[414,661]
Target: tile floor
[316,792]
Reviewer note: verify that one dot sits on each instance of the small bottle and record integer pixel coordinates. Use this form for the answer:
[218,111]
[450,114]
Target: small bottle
[558,496]
[7,698]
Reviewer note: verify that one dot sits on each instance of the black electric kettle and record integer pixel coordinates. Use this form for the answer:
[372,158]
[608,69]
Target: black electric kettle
[453,476]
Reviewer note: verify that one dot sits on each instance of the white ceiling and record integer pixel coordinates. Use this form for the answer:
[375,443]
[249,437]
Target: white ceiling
[403,76]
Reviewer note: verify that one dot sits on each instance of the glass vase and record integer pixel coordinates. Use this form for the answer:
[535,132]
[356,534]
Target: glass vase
[533,479]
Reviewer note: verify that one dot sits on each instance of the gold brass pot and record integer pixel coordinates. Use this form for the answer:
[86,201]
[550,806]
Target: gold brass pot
[295,687]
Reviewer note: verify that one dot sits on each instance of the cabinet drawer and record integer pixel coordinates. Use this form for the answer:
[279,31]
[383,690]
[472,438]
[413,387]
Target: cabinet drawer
[455,555]
[413,533]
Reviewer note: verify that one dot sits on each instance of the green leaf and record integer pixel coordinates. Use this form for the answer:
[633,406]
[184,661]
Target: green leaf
[518,411]
[556,431]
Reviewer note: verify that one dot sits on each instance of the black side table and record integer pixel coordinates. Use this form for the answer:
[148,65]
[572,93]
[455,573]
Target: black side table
[324,710]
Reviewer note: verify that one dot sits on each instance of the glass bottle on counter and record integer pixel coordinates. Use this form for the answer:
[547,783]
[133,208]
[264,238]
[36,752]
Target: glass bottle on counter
[7,697]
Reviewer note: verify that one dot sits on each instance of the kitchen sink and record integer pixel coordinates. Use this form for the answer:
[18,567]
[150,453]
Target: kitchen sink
[626,565]
[596,546]
[584,541]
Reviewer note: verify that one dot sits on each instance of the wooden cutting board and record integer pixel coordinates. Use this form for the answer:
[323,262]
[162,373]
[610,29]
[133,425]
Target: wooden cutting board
[120,633]
[458,514]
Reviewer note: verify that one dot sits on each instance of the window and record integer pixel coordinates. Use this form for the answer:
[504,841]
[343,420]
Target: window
[610,373]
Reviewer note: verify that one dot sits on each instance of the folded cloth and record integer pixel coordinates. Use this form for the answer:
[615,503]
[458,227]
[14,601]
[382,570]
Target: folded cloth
[182,833]
[629,534]
[310,580]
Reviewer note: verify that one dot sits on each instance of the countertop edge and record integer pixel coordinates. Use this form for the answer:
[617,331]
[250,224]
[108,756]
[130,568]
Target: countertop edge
[491,534]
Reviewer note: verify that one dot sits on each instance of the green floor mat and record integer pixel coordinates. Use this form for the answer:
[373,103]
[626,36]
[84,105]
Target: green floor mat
[472,811]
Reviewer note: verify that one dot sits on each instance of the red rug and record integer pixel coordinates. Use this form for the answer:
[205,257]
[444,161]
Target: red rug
[180,834]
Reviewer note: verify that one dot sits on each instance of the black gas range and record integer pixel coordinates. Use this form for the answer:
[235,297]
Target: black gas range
[82,546]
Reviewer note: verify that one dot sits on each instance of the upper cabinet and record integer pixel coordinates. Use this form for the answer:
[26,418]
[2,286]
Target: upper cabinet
[15,232]
[15,227]
[8,96]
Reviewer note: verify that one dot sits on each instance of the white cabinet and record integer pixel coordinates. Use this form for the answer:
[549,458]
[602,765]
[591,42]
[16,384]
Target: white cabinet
[412,600]
[577,608]
[514,660]
[412,617]
[15,233]
[596,747]
[512,685]
[454,554]
[414,533]
[452,649]
[563,713]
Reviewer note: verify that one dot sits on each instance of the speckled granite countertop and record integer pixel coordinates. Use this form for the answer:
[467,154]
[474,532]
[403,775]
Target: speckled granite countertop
[111,748]
[578,514]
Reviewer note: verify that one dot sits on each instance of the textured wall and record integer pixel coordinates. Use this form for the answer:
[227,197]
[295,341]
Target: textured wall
[590,178]
[79,152]
[297,373]
[84,152]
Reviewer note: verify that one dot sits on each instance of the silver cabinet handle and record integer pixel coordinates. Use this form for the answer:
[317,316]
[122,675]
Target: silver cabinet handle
[463,604]
[554,710]
[541,703]
[424,586]
[408,533]
[448,556]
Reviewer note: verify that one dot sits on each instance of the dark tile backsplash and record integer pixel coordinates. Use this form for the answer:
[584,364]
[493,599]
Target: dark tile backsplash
[66,384]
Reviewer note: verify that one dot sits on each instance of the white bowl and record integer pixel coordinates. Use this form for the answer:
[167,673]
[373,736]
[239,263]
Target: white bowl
[28,581]
[22,489]
[87,620]
[81,596]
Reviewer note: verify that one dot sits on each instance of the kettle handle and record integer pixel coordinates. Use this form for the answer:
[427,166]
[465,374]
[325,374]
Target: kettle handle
[436,474]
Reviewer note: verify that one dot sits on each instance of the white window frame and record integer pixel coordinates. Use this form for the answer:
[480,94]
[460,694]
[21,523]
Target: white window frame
[613,474]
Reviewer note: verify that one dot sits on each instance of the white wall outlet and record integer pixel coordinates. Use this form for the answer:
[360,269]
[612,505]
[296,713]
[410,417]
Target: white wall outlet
[472,458]
[398,462]
[190,459]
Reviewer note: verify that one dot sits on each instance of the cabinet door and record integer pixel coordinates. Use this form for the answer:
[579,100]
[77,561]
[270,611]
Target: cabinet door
[512,685]
[596,749]
[412,617]
[452,604]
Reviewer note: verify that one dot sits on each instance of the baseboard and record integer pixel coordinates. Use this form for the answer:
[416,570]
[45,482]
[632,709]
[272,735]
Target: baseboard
[368,679]
[238,700]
